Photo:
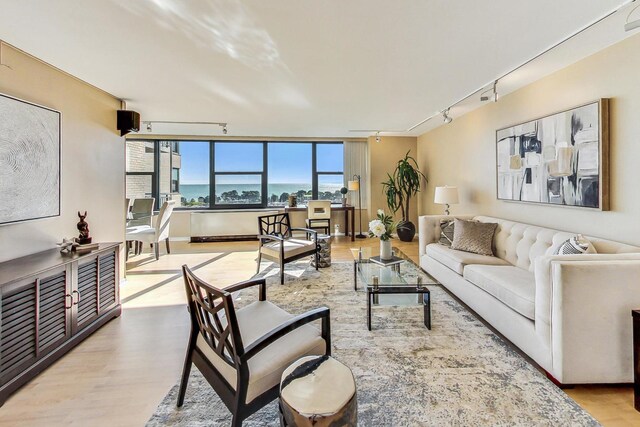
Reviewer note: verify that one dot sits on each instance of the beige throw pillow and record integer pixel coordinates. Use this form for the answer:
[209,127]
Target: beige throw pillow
[473,236]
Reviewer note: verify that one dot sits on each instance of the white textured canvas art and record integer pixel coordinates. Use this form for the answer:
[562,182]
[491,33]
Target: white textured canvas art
[29,161]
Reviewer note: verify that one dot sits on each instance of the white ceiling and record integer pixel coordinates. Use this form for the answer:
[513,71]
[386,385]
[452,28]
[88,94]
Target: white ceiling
[302,68]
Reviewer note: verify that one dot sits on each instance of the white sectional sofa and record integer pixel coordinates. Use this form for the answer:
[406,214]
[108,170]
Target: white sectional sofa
[569,313]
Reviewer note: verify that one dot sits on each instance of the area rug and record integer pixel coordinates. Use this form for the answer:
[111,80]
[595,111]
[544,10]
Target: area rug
[457,374]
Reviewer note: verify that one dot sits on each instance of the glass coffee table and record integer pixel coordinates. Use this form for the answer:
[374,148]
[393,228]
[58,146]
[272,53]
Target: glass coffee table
[405,280]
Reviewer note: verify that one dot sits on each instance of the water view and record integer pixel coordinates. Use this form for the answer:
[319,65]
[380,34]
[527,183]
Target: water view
[195,195]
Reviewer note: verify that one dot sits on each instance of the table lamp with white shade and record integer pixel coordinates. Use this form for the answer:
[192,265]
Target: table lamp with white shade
[446,196]
[354,185]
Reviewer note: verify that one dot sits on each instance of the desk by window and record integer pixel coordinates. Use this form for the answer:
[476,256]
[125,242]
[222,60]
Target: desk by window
[349,222]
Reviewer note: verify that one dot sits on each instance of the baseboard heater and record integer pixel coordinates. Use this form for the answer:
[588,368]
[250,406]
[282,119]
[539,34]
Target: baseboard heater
[225,225]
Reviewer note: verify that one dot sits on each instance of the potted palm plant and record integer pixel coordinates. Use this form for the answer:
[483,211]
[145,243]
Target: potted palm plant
[399,188]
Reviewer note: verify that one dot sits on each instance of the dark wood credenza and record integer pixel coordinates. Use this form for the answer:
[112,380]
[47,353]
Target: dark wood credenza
[50,302]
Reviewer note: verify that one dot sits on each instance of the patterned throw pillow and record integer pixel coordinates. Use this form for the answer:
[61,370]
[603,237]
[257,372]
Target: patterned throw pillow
[575,246]
[446,232]
[474,236]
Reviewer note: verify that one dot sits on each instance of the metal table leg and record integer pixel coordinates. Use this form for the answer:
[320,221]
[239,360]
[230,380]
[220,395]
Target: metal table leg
[427,309]
[369,309]
[355,275]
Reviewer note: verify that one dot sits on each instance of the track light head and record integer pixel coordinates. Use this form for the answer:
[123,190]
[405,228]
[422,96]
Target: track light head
[224,129]
[490,97]
[628,26]
[148,126]
[377,136]
[446,117]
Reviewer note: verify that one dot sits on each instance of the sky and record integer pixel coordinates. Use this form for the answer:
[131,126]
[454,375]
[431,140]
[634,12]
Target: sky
[288,162]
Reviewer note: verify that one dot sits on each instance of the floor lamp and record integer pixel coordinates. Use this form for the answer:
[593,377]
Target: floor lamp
[354,185]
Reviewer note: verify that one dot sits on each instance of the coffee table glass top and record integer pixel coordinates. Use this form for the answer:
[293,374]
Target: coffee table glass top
[403,274]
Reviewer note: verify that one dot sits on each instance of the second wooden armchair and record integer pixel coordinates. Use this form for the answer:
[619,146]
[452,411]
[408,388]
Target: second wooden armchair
[278,244]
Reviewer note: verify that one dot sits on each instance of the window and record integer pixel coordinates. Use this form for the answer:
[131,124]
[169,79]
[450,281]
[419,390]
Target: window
[223,174]
[238,173]
[191,171]
[140,169]
[175,180]
[330,171]
[166,156]
[290,172]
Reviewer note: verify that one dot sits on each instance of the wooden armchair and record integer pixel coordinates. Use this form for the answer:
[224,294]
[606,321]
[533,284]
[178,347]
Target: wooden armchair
[278,244]
[243,353]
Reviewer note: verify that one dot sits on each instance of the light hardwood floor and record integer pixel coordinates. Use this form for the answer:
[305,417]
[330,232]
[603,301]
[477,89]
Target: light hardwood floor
[119,375]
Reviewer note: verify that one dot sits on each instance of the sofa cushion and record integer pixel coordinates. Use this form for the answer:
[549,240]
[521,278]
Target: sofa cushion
[473,236]
[456,260]
[575,246]
[513,286]
[446,232]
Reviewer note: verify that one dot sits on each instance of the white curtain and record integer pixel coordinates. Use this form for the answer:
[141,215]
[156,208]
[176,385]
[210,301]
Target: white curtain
[355,163]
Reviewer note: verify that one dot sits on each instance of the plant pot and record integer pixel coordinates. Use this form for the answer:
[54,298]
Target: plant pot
[406,231]
[385,250]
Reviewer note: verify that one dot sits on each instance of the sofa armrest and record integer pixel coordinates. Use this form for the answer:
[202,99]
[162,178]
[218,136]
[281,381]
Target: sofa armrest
[582,311]
[429,229]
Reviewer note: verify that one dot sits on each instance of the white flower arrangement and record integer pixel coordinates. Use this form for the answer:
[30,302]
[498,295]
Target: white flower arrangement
[377,228]
[383,226]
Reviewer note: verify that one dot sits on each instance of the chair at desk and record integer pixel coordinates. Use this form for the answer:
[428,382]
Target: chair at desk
[319,215]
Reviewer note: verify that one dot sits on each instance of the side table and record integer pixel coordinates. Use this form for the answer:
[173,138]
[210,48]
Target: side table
[324,256]
[318,391]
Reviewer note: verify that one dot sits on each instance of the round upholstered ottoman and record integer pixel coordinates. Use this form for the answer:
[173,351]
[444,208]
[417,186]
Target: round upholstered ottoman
[318,391]
[324,256]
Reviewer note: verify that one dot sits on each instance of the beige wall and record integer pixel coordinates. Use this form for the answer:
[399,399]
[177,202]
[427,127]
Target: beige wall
[92,156]
[463,152]
[383,157]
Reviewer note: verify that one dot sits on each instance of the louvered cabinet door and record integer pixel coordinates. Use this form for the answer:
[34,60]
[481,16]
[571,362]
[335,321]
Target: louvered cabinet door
[108,286]
[54,309]
[18,348]
[86,294]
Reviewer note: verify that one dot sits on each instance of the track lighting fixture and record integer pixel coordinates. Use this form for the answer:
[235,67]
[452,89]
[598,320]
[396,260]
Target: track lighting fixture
[221,124]
[628,26]
[494,93]
[377,136]
[446,117]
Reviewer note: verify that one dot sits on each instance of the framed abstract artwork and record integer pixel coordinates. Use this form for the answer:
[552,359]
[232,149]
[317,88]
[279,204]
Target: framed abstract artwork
[561,159]
[29,161]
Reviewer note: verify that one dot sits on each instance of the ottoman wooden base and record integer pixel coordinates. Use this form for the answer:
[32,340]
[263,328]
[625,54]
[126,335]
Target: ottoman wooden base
[318,391]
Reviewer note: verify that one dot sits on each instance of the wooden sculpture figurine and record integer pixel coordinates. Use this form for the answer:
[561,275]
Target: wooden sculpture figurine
[83,228]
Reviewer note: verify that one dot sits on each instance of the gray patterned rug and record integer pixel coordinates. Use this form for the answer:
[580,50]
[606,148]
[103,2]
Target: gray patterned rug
[457,374]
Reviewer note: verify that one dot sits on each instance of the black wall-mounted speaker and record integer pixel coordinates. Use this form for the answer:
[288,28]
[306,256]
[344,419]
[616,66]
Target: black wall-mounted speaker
[128,121]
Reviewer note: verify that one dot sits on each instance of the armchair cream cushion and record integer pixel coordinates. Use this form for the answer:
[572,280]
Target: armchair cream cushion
[266,367]
[292,247]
